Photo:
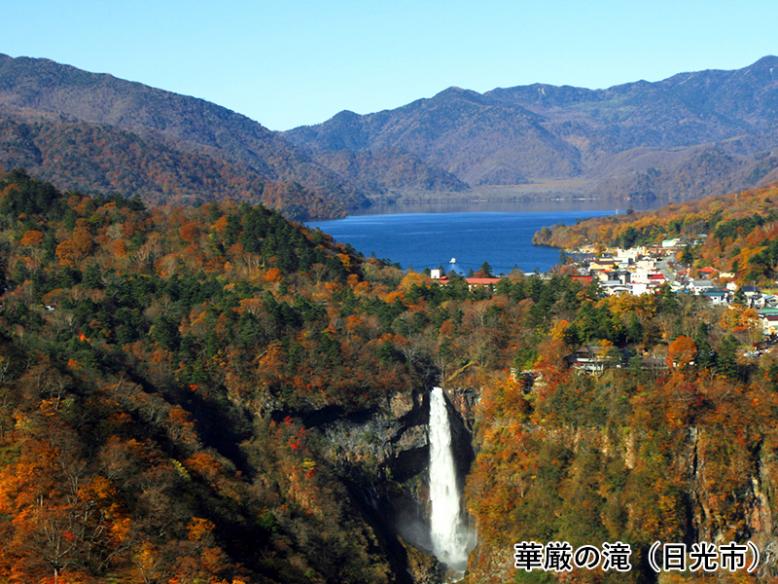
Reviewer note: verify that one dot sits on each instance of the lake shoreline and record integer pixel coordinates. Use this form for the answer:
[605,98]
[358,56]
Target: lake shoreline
[423,240]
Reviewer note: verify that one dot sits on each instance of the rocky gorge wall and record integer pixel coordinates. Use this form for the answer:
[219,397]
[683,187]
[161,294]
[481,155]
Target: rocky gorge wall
[382,456]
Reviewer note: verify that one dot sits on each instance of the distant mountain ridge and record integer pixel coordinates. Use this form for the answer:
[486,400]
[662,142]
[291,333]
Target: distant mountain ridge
[637,140]
[686,136]
[196,143]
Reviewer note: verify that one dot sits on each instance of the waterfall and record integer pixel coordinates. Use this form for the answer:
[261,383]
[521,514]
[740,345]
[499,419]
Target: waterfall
[450,536]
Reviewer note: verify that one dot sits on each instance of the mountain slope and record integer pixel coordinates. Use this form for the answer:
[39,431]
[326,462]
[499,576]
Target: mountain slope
[607,139]
[456,131]
[686,136]
[95,158]
[737,233]
[214,394]
[187,126]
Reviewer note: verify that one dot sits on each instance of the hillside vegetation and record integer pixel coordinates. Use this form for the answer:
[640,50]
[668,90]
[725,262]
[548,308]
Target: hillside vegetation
[736,232]
[680,138]
[95,132]
[100,159]
[203,395]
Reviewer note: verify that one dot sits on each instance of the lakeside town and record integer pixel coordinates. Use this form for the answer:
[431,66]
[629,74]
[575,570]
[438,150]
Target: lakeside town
[645,270]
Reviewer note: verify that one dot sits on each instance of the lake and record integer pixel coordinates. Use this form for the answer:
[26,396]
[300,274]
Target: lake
[429,240]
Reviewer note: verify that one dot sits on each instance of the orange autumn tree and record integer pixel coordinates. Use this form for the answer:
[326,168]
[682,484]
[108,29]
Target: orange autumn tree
[681,352]
[31,238]
[189,232]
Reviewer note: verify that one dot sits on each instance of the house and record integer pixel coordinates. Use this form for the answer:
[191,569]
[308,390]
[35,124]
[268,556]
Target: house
[656,279]
[715,295]
[623,276]
[615,287]
[670,243]
[769,319]
[473,283]
[593,359]
[700,286]
[758,301]
[585,280]
[708,272]
[586,360]
[646,265]
[627,256]
[601,266]
[643,268]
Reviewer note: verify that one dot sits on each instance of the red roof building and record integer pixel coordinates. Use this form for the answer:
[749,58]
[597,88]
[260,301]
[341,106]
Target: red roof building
[471,282]
[581,279]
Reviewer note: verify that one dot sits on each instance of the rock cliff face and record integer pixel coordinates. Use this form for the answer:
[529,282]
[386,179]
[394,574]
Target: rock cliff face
[754,499]
[462,402]
[382,456]
[712,504]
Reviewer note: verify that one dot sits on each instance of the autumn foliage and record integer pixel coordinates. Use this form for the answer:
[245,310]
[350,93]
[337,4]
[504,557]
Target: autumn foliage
[734,233]
[198,394]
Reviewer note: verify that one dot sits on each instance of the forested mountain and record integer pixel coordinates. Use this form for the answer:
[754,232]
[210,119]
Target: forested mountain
[104,159]
[155,367]
[677,139]
[116,130]
[736,233]
[215,394]
[689,135]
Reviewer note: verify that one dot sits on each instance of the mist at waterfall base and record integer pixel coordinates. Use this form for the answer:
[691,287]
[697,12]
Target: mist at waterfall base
[450,536]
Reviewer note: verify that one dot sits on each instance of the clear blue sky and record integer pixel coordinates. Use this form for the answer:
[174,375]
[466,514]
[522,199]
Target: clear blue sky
[291,62]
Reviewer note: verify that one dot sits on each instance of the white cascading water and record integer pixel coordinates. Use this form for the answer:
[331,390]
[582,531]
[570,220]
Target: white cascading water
[450,536]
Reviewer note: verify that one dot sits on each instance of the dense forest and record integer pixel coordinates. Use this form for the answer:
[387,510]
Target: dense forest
[214,394]
[690,135]
[97,133]
[737,233]
[91,158]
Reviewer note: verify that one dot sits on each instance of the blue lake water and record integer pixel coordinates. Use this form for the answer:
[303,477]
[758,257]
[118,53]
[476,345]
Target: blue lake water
[429,240]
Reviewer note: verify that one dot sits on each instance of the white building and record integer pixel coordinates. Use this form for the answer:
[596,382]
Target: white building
[769,318]
[627,255]
[700,286]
